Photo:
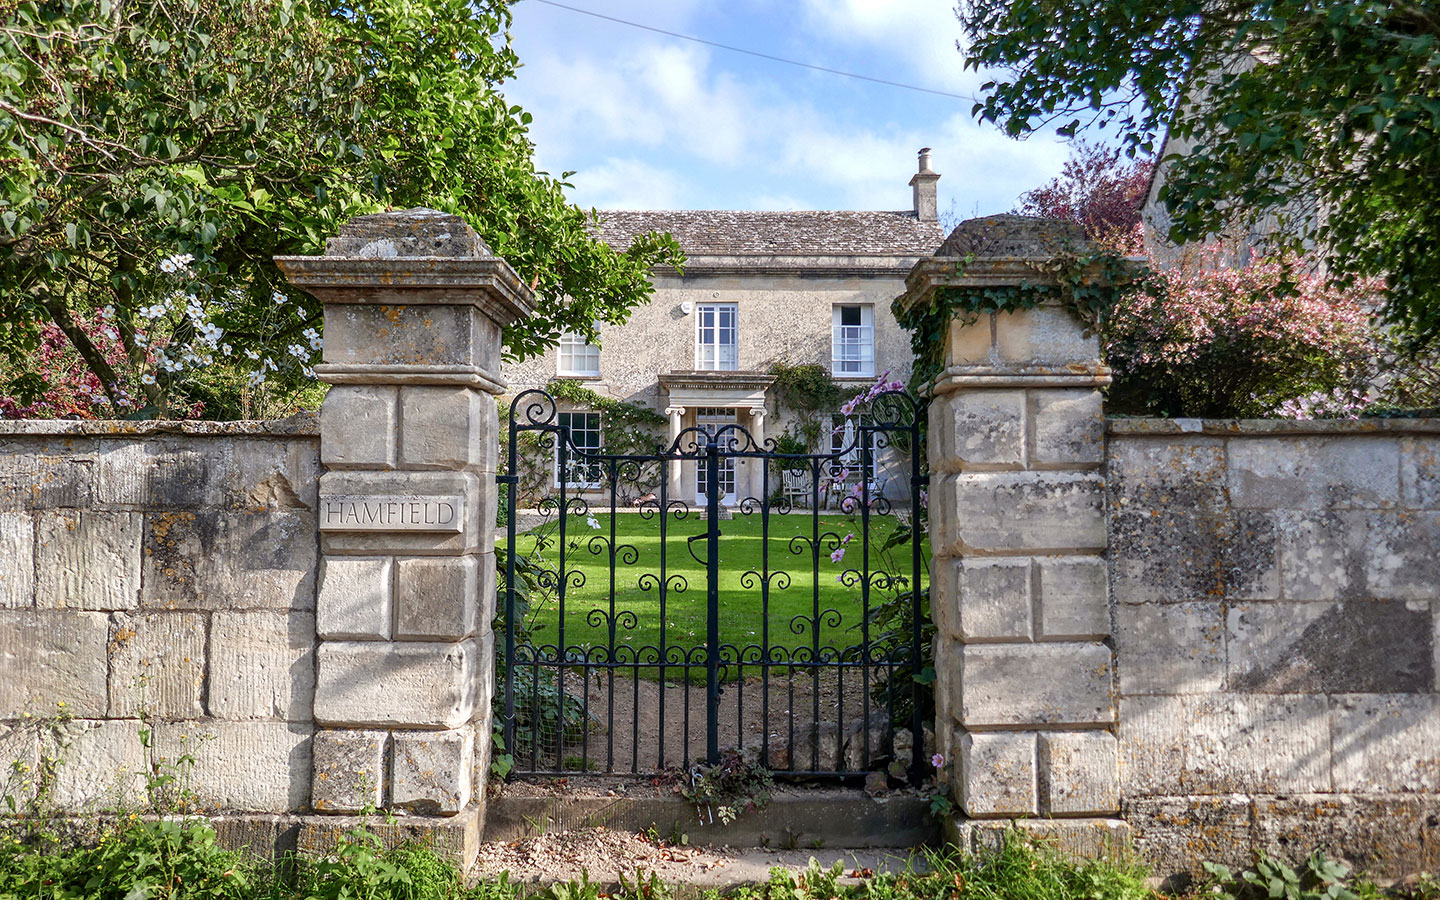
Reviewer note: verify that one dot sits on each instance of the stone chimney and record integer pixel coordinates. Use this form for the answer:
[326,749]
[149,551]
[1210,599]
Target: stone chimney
[927,207]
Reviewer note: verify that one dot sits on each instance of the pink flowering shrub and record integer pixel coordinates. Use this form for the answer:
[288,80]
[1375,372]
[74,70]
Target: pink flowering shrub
[1225,342]
[55,382]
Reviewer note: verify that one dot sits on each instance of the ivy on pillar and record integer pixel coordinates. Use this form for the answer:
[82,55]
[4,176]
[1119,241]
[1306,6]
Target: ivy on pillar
[1026,710]
[414,305]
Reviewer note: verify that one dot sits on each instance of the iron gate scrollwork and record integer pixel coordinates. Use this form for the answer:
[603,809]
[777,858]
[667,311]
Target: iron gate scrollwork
[611,701]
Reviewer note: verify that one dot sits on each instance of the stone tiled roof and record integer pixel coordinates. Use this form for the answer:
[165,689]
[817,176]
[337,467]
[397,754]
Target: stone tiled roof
[747,233]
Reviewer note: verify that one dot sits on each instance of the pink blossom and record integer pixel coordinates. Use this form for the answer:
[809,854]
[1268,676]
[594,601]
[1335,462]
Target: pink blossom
[838,555]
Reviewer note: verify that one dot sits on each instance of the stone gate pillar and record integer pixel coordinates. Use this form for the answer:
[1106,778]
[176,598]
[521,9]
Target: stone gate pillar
[414,302]
[1025,692]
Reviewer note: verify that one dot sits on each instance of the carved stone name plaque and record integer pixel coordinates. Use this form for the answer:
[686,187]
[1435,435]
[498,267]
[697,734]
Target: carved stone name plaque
[391,513]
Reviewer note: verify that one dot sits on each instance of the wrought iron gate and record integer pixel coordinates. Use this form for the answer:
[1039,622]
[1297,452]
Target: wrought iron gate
[818,692]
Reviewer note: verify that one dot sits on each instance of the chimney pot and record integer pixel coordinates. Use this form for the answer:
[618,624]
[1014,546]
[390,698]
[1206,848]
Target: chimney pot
[927,205]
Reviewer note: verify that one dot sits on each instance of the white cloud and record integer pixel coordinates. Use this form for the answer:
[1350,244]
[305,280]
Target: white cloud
[629,184]
[651,122]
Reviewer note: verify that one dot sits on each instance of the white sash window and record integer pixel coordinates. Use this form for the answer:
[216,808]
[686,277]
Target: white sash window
[852,352]
[717,337]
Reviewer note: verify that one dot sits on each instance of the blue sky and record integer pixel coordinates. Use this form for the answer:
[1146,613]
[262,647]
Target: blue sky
[653,122]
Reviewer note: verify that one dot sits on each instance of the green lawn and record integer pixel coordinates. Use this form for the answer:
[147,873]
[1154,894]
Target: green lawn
[744,610]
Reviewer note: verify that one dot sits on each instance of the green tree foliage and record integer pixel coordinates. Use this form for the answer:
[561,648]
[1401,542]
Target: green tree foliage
[230,131]
[1290,107]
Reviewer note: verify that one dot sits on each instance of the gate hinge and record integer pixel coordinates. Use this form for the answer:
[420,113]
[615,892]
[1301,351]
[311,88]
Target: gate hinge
[507,479]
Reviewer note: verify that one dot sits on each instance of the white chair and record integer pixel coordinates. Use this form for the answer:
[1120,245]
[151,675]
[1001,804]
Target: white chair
[796,484]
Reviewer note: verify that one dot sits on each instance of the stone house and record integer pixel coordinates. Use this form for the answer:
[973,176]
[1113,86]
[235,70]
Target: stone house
[757,288]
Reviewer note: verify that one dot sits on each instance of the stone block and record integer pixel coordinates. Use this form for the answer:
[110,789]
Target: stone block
[1077,839]
[42,474]
[972,343]
[1323,554]
[437,598]
[1420,471]
[1036,684]
[1330,648]
[457,838]
[1315,473]
[1068,428]
[1386,836]
[1151,742]
[273,557]
[349,770]
[1175,556]
[1268,743]
[477,534]
[449,428]
[262,665]
[1044,336]
[102,765]
[17,560]
[157,665]
[275,474]
[995,599]
[1074,598]
[354,599]
[413,684]
[431,770]
[1081,774]
[186,561]
[358,426]
[978,429]
[243,766]
[404,334]
[1401,561]
[1018,512]
[1184,473]
[998,775]
[1387,742]
[180,473]
[88,559]
[1173,835]
[52,657]
[1170,649]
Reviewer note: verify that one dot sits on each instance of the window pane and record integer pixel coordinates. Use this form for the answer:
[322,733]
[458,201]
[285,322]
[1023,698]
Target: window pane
[578,357]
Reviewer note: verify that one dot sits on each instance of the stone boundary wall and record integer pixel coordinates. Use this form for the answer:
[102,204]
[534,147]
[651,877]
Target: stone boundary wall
[1276,593]
[164,569]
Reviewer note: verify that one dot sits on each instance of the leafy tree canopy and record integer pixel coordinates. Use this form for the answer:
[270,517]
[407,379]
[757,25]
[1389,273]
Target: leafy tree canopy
[1287,106]
[154,149]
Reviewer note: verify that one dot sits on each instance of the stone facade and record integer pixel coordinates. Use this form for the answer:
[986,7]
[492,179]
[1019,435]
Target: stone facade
[164,571]
[1277,606]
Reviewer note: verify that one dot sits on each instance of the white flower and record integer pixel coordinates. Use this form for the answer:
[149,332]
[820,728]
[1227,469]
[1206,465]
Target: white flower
[256,378]
[298,351]
[168,266]
[226,348]
[147,378]
[278,297]
[252,353]
[108,312]
[593,522]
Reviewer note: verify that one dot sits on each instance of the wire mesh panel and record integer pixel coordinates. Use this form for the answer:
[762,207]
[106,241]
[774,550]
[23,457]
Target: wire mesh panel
[779,613]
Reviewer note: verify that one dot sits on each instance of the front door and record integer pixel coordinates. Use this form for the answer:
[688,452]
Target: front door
[711,420]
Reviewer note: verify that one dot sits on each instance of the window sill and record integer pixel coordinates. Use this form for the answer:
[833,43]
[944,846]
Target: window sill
[564,377]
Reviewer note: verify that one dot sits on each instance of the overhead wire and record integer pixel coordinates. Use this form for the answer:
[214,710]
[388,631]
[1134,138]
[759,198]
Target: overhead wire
[756,53]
